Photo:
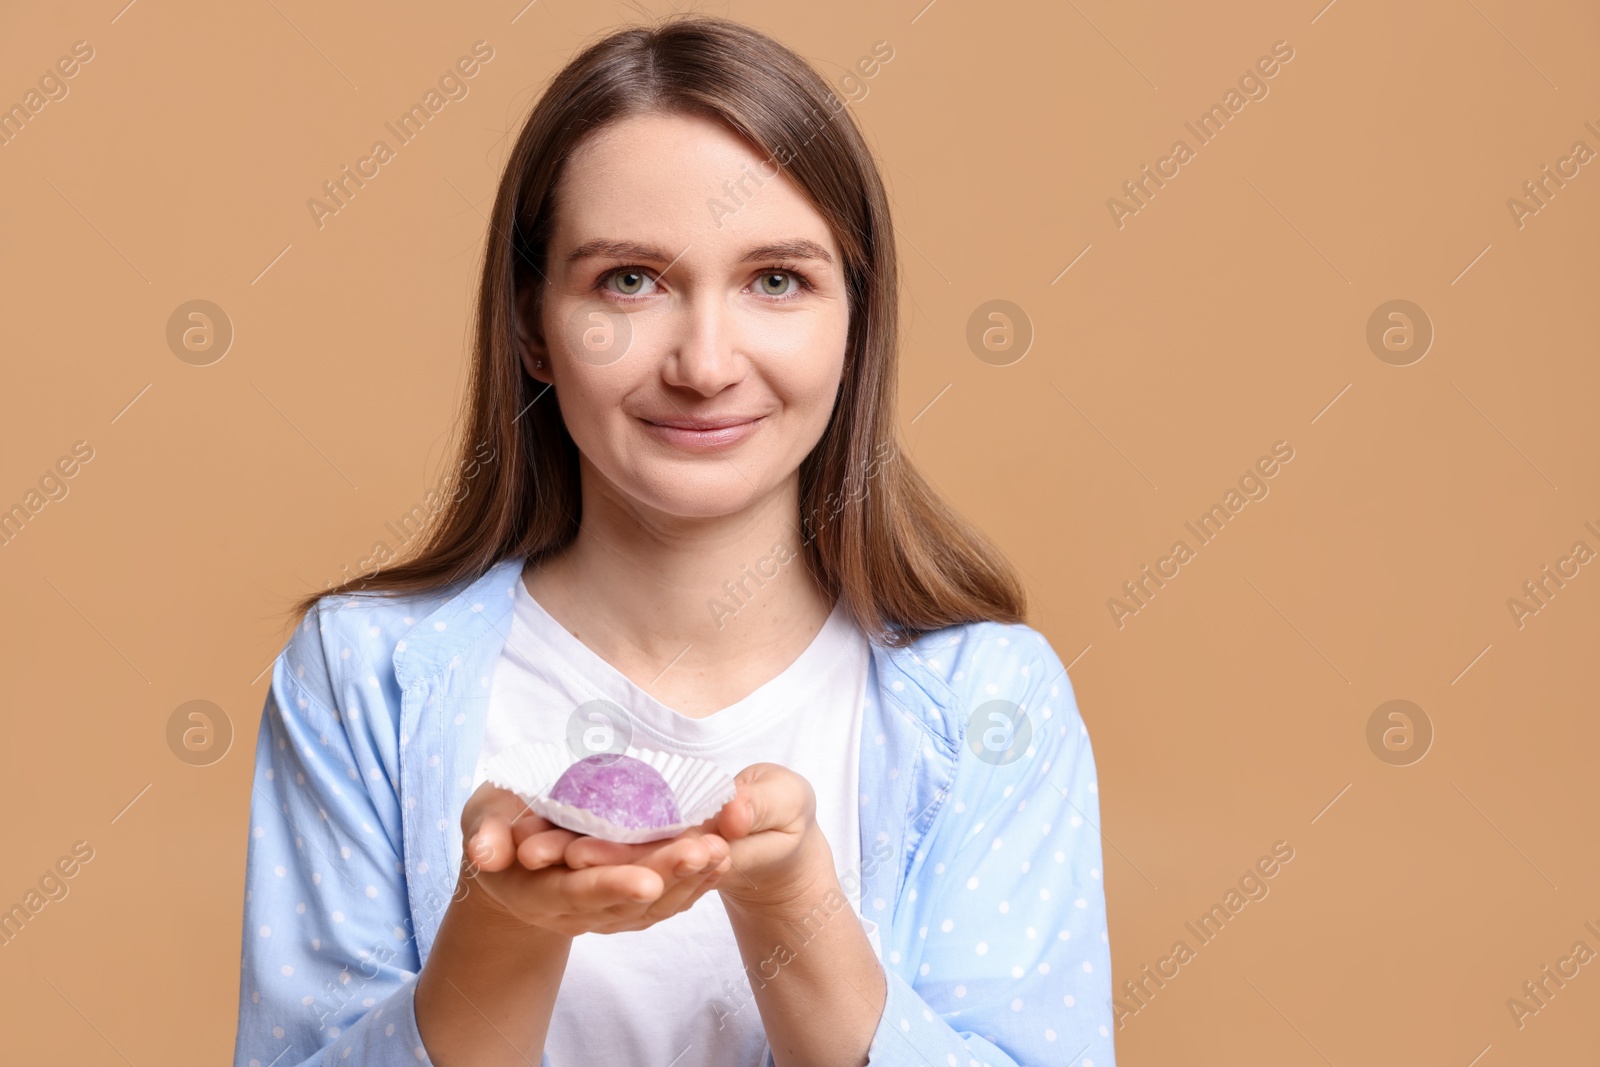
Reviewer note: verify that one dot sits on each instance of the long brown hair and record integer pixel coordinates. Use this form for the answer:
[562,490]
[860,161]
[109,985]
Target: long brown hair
[874,532]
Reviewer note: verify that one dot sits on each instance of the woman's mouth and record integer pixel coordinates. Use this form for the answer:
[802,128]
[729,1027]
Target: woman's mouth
[703,434]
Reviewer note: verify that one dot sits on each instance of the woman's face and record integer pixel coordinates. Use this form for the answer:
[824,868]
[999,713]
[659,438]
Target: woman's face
[694,318]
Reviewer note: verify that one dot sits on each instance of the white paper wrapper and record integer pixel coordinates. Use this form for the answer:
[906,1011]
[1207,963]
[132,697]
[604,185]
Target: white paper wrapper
[531,769]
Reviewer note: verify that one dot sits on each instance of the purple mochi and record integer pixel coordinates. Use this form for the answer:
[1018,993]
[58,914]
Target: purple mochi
[621,789]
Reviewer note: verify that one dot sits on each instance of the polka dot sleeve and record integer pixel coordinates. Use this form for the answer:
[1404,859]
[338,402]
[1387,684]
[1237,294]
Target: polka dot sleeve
[328,963]
[1000,954]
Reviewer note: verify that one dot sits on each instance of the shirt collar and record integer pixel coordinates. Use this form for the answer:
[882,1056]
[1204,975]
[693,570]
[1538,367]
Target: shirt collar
[480,607]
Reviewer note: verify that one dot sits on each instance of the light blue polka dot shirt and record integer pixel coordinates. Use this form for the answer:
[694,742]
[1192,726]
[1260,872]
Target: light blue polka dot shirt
[981,881]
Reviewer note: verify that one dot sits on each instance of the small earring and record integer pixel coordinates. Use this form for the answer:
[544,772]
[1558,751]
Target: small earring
[538,363]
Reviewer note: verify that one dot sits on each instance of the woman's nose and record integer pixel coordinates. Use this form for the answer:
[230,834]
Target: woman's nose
[703,354]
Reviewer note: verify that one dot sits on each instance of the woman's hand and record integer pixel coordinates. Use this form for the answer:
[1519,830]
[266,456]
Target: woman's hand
[514,858]
[767,834]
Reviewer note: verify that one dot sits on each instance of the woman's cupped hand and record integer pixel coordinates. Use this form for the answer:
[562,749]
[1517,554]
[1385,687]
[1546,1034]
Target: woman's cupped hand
[762,848]
[518,861]
[766,839]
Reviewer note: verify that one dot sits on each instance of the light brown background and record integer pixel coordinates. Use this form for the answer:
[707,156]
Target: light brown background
[1225,316]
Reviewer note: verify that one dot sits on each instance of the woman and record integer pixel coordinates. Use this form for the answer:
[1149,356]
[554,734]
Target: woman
[681,522]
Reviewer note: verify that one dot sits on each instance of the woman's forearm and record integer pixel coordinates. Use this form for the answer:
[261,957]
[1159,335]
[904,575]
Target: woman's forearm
[488,988]
[807,959]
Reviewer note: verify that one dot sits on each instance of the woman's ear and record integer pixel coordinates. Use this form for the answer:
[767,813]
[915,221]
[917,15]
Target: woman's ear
[530,338]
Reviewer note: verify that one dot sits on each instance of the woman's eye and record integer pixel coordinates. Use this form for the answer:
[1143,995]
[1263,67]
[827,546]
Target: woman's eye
[628,282]
[775,283]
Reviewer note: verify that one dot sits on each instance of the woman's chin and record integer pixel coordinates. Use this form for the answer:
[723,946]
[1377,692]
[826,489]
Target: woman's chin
[719,499]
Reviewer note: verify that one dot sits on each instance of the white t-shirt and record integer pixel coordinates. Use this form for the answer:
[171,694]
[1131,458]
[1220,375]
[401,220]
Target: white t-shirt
[647,996]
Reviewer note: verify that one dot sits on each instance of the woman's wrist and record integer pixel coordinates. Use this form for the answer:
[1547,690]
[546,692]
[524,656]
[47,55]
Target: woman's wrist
[797,895]
[487,990]
[487,917]
[808,956]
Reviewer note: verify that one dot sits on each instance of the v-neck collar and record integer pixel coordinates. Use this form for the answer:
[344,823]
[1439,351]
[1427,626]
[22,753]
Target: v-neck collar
[584,670]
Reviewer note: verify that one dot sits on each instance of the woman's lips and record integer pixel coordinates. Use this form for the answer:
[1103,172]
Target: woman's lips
[685,436]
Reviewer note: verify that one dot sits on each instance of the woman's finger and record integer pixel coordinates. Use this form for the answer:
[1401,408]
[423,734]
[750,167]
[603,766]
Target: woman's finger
[769,797]
[682,894]
[586,851]
[572,901]
[528,824]
[668,857]
[536,851]
[595,889]
[737,816]
[486,821]
[677,898]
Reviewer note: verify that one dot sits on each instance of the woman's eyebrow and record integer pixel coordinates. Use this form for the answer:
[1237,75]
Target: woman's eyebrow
[616,250]
[798,248]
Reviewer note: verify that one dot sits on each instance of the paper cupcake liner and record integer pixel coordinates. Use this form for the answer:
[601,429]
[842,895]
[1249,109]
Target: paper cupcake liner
[530,769]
